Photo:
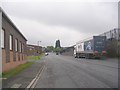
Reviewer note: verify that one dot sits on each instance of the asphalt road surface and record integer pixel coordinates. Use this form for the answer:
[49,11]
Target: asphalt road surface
[68,72]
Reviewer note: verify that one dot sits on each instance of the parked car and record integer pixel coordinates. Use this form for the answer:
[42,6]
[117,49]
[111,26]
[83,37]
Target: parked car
[57,53]
[46,54]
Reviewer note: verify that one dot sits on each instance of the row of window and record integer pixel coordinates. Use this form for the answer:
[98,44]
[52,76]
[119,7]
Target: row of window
[112,34]
[20,46]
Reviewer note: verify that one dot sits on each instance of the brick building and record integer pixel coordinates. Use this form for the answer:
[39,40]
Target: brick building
[34,50]
[13,44]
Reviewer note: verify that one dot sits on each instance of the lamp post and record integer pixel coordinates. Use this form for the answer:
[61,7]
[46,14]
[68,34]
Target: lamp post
[38,42]
[39,50]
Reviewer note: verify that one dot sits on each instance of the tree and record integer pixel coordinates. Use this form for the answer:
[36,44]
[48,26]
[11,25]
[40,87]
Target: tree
[58,48]
[57,44]
[49,49]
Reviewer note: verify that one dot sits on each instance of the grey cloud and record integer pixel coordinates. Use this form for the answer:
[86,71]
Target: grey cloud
[67,21]
[84,17]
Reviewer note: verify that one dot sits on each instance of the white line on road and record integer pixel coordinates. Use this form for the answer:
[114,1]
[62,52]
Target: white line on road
[34,81]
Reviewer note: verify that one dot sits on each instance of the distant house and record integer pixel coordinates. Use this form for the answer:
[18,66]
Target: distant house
[13,44]
[33,50]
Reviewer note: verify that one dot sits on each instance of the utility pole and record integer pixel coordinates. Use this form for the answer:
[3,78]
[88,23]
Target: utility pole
[38,48]
[38,43]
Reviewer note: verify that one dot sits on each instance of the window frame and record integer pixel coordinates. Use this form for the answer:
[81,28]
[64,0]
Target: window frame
[3,37]
[20,47]
[16,45]
[11,42]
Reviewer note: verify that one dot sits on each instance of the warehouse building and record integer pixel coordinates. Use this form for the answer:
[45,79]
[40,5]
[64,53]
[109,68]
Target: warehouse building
[13,44]
[33,50]
[112,34]
[112,44]
[113,40]
[68,51]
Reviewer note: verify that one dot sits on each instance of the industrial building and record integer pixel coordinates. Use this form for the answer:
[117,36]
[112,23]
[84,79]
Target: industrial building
[33,50]
[68,51]
[13,44]
[113,42]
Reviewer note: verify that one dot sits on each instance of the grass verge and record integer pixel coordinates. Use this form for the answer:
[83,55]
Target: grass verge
[0,75]
[32,57]
[16,70]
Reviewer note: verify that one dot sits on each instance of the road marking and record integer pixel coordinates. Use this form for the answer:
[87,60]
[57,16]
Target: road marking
[33,86]
[16,85]
[35,80]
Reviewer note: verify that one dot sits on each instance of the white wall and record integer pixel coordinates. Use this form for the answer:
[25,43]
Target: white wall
[80,47]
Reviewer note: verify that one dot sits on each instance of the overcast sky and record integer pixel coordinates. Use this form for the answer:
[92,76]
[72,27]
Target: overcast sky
[67,21]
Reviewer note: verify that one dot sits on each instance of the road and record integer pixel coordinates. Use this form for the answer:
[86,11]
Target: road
[68,72]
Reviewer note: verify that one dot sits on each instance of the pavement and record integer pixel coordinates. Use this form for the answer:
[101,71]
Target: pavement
[68,72]
[24,78]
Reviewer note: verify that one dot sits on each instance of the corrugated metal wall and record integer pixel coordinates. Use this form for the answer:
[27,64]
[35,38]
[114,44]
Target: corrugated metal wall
[113,38]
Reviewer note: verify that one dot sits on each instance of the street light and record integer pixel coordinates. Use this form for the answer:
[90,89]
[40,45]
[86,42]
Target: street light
[39,50]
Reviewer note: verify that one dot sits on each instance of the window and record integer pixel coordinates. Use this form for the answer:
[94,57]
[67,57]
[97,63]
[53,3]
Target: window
[11,42]
[23,48]
[2,38]
[20,47]
[16,45]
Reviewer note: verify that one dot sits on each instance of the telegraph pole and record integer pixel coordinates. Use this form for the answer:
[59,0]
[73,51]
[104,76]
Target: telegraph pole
[38,43]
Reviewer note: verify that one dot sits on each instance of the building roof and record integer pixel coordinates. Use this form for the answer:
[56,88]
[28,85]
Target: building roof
[29,45]
[11,23]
